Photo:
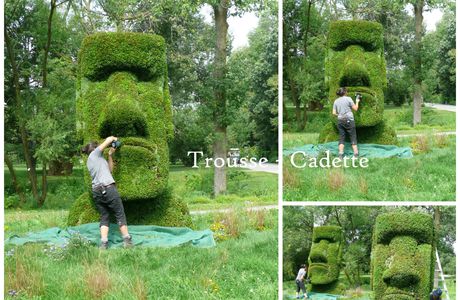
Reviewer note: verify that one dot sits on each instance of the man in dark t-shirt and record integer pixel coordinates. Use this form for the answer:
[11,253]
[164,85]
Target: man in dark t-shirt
[105,193]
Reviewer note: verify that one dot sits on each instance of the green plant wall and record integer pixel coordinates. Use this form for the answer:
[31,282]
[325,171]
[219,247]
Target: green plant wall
[403,256]
[325,259]
[123,91]
[355,60]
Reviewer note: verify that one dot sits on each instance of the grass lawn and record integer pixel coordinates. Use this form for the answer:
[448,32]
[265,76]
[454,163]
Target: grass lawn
[398,117]
[244,187]
[428,176]
[362,293]
[241,266]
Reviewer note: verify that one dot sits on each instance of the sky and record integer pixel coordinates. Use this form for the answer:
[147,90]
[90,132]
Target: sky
[240,27]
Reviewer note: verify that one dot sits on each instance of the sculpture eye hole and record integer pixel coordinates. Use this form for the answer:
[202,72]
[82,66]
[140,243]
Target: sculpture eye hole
[142,74]
[327,239]
[368,47]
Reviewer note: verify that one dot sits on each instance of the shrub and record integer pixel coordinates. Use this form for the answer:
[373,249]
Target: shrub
[355,59]
[325,258]
[122,90]
[420,144]
[403,253]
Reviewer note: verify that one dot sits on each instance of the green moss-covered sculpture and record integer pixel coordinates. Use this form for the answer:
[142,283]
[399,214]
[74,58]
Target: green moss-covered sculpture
[355,60]
[403,250]
[122,90]
[325,259]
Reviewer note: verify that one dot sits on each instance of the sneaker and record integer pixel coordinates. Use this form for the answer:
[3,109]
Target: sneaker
[104,245]
[128,242]
[356,155]
[340,156]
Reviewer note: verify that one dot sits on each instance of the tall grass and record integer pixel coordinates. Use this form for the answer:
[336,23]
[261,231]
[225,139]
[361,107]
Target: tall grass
[428,176]
[243,267]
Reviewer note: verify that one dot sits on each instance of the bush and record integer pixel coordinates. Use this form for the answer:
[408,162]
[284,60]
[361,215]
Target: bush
[11,201]
[403,253]
[122,90]
[360,71]
[326,248]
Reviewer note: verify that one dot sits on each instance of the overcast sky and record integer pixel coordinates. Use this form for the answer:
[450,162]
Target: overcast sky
[239,27]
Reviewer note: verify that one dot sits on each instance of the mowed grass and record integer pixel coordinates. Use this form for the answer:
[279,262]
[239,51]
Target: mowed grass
[244,187]
[242,266]
[364,292]
[399,118]
[428,176]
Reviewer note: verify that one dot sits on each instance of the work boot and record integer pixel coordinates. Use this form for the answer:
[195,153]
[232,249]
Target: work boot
[104,245]
[128,241]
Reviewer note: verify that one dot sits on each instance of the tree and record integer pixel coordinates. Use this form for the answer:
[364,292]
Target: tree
[28,52]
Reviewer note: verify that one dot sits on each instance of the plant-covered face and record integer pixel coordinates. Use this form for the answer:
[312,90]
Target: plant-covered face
[325,255]
[355,60]
[123,92]
[402,256]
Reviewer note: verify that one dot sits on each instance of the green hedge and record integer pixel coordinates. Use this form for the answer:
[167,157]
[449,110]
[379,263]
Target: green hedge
[326,250]
[123,91]
[365,33]
[381,134]
[103,53]
[165,210]
[355,60]
[403,254]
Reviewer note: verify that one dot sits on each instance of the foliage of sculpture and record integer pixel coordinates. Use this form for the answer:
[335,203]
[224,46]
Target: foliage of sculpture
[403,256]
[355,59]
[122,90]
[325,259]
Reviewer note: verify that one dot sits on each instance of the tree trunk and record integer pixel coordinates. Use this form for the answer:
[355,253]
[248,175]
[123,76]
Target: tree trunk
[285,113]
[437,227]
[42,198]
[16,185]
[220,142]
[418,98]
[48,43]
[304,117]
[31,172]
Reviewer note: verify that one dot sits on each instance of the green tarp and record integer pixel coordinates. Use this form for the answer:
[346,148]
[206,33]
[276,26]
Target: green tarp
[319,296]
[143,235]
[365,150]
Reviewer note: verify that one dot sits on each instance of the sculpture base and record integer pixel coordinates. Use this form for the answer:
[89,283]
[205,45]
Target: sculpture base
[335,288]
[166,210]
[379,134]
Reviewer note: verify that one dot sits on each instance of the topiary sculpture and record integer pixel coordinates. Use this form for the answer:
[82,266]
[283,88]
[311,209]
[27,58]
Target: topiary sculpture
[402,258]
[355,60]
[325,259]
[122,90]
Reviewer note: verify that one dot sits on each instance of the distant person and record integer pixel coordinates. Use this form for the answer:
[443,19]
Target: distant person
[343,109]
[105,194]
[300,281]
